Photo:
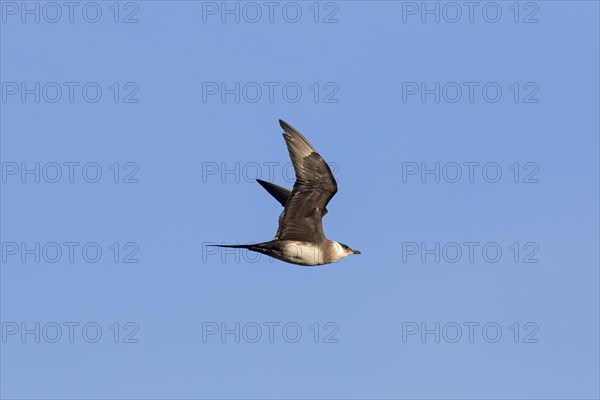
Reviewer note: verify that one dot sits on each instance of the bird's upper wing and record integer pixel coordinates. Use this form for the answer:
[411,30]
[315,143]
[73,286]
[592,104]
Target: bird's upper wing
[314,187]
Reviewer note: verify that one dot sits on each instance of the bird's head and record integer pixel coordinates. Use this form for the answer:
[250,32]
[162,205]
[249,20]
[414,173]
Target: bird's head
[342,250]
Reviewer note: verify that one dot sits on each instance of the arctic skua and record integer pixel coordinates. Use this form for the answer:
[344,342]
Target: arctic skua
[300,238]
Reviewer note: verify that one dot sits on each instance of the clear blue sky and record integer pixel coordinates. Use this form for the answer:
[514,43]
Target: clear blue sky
[187,153]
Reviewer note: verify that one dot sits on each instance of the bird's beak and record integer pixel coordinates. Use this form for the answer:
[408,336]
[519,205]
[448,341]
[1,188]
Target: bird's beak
[356,251]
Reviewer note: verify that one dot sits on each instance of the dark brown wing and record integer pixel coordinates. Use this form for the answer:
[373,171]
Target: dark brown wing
[281,194]
[314,187]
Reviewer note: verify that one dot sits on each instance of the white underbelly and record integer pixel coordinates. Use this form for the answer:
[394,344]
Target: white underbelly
[303,253]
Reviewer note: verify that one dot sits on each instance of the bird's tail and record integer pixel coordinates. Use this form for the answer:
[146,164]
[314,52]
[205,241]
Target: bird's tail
[234,246]
[252,247]
[262,248]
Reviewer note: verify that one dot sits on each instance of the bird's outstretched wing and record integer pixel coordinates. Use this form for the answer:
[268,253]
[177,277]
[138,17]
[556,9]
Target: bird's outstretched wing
[315,186]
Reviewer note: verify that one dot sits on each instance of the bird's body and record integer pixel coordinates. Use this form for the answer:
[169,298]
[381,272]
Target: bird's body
[299,252]
[300,238]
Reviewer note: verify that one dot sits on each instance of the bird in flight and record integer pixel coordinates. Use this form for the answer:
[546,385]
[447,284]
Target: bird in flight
[300,238]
